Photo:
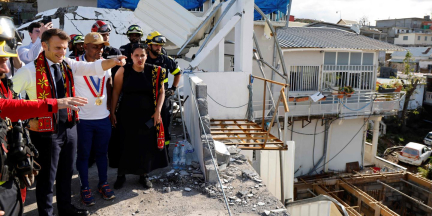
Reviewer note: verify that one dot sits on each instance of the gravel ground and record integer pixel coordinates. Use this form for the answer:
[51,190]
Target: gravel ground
[178,193]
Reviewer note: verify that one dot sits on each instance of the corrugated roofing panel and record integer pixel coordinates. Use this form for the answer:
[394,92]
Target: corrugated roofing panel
[309,37]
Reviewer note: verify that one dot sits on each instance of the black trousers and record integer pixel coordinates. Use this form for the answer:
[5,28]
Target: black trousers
[10,198]
[56,155]
[166,120]
[166,117]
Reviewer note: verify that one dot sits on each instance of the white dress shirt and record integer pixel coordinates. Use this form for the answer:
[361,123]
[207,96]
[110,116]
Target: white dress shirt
[91,111]
[30,52]
[25,77]
[9,75]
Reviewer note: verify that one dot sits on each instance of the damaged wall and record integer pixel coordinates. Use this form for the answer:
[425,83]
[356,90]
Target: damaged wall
[44,5]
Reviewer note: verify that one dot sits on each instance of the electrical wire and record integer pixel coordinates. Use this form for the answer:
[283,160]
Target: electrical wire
[367,120]
[208,145]
[313,149]
[234,107]
[340,101]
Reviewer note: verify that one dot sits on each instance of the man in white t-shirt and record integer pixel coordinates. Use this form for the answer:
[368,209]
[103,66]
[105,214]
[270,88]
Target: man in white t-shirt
[94,128]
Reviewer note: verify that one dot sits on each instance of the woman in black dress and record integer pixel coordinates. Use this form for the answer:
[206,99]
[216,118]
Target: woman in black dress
[140,154]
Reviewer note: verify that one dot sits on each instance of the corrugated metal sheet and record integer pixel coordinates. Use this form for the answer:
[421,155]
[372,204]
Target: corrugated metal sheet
[415,51]
[169,18]
[307,37]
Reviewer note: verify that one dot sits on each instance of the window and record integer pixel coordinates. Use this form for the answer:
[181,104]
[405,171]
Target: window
[405,37]
[425,38]
[418,38]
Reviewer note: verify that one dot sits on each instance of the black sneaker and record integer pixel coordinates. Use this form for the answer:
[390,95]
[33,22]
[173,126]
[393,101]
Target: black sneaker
[145,181]
[119,182]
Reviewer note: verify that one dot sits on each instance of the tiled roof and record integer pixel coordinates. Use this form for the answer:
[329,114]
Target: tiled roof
[309,37]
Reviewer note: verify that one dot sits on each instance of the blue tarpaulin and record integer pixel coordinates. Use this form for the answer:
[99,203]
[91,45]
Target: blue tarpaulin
[115,4]
[190,4]
[267,6]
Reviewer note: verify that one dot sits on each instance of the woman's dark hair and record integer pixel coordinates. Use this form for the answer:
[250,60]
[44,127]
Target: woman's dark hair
[136,46]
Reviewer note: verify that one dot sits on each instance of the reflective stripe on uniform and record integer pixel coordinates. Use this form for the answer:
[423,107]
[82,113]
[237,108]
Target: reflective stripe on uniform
[176,71]
[165,80]
[167,142]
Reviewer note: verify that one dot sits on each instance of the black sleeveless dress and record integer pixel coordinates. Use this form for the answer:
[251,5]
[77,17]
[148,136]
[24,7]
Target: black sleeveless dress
[140,154]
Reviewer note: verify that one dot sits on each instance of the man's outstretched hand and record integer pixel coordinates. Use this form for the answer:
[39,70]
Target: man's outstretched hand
[71,103]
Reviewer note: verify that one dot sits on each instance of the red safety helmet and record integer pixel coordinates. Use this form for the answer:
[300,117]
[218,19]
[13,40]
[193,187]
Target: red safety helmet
[72,36]
[101,27]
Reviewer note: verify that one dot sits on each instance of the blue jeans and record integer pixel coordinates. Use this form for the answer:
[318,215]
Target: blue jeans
[93,134]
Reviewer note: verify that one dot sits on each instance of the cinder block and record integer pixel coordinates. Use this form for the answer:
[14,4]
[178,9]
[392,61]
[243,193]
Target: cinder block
[201,90]
[211,175]
[206,124]
[202,106]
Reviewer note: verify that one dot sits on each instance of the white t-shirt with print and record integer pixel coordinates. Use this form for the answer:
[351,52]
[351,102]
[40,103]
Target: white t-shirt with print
[91,111]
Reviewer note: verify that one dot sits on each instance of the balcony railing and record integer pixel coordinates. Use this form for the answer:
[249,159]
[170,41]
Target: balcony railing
[360,77]
[331,77]
[359,104]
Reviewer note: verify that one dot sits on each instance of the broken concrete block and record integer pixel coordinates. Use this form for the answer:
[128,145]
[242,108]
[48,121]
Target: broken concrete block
[206,123]
[211,175]
[223,155]
[187,189]
[201,90]
[202,106]
[233,150]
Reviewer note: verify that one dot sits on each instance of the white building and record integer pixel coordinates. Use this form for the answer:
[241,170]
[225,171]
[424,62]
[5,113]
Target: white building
[414,39]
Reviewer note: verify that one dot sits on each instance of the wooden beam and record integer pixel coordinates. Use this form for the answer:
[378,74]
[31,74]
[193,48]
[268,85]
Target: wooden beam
[318,189]
[240,137]
[236,133]
[274,143]
[368,200]
[270,81]
[261,148]
[231,124]
[215,120]
[236,129]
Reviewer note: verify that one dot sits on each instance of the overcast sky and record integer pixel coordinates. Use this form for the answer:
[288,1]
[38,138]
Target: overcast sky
[355,9]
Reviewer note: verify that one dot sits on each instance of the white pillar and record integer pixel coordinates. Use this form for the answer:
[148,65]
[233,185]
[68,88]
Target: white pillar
[220,56]
[375,137]
[243,47]
[290,158]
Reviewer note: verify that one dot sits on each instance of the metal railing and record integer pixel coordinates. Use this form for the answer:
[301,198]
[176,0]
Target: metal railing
[304,78]
[360,77]
[359,104]
[276,17]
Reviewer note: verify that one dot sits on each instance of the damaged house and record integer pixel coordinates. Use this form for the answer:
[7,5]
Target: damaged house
[295,100]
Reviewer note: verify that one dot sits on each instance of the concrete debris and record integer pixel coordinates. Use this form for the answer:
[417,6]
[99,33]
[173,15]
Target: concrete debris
[248,173]
[184,173]
[238,200]
[195,165]
[222,167]
[250,195]
[241,194]
[233,150]
[187,189]
[223,155]
[257,180]
[167,189]
[260,203]
[170,172]
[266,212]
[278,211]
[201,176]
